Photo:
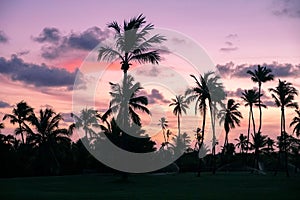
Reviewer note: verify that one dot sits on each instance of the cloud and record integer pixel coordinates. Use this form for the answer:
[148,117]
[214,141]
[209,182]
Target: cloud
[37,75]
[4,104]
[232,36]
[240,71]
[3,37]
[228,49]
[153,71]
[51,35]
[58,44]
[23,53]
[155,97]
[67,117]
[286,8]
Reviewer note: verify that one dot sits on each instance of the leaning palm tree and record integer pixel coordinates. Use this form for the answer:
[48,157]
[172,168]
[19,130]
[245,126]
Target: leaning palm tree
[296,123]
[251,98]
[284,94]
[260,75]
[230,116]
[48,136]
[19,116]
[242,142]
[87,120]
[180,106]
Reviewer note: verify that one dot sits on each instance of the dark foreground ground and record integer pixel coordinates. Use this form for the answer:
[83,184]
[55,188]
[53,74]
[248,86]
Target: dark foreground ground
[233,185]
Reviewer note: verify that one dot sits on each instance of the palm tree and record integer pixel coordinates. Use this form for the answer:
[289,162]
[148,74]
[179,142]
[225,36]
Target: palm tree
[230,116]
[125,98]
[251,97]
[270,144]
[296,123]
[259,142]
[163,123]
[284,94]
[87,120]
[1,126]
[20,115]
[242,142]
[260,75]
[48,136]
[180,105]
[200,93]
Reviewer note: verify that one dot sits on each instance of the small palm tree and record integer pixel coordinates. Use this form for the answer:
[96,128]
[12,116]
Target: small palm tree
[242,142]
[296,123]
[284,94]
[19,116]
[270,144]
[125,98]
[48,136]
[259,142]
[163,123]
[260,75]
[180,106]
[230,116]
[87,120]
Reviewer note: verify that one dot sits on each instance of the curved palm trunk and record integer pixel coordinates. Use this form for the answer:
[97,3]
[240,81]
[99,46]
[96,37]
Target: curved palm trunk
[202,139]
[259,106]
[212,116]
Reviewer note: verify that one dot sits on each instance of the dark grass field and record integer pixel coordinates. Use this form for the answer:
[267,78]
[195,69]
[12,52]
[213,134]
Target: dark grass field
[239,186]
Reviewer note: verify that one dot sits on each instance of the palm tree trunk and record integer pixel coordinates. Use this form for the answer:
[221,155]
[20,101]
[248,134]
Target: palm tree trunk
[259,106]
[178,118]
[284,146]
[21,131]
[253,121]
[248,135]
[212,116]
[202,139]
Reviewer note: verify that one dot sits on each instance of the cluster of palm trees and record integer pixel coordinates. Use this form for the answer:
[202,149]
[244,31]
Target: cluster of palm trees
[42,130]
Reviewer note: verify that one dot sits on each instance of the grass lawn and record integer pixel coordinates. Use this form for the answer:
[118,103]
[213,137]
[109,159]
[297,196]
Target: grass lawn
[239,186]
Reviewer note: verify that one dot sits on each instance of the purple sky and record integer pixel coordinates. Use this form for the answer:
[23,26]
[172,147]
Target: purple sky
[233,33]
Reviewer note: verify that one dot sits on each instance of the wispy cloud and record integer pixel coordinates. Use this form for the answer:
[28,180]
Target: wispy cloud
[286,8]
[229,43]
[4,104]
[155,97]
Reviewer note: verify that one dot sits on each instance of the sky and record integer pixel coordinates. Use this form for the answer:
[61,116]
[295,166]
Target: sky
[44,44]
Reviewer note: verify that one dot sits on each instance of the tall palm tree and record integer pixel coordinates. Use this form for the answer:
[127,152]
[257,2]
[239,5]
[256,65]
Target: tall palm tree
[251,98]
[87,120]
[20,115]
[242,142]
[125,97]
[180,105]
[296,123]
[284,95]
[230,116]
[260,75]
[48,136]
[163,123]
[200,93]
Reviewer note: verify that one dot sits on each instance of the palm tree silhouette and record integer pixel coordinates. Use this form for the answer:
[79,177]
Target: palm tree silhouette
[20,115]
[296,123]
[283,95]
[87,120]
[270,144]
[124,97]
[132,45]
[180,105]
[200,93]
[230,116]
[48,136]
[259,142]
[1,126]
[163,123]
[251,97]
[242,142]
[260,75]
